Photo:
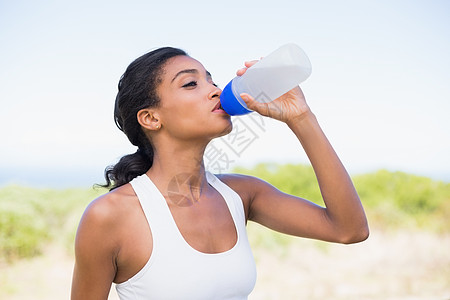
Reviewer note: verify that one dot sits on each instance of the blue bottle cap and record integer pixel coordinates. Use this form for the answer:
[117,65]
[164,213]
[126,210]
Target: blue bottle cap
[231,103]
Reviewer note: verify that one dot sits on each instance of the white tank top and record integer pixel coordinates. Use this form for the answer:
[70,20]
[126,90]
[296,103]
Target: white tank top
[175,270]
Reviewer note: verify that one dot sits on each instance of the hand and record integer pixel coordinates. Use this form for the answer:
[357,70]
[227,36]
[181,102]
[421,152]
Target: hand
[285,108]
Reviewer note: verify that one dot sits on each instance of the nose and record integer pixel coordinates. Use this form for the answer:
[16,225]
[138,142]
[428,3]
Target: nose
[215,93]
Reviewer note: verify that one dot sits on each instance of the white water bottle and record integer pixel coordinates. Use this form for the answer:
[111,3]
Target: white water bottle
[268,79]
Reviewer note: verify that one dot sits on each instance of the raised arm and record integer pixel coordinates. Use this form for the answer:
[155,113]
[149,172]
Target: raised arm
[342,219]
[344,212]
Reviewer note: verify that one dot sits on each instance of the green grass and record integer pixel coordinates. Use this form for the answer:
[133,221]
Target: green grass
[31,218]
[392,199]
[401,199]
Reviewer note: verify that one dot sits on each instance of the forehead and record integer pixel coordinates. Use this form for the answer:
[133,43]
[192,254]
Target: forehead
[179,63]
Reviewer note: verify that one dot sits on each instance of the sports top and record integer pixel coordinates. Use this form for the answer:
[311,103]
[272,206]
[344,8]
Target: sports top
[175,270]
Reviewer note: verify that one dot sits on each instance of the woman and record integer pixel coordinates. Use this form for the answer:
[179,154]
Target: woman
[157,239]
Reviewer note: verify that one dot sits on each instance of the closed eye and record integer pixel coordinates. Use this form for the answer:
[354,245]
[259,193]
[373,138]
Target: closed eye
[191,84]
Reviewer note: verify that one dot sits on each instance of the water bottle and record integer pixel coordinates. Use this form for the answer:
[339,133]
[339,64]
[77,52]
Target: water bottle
[268,79]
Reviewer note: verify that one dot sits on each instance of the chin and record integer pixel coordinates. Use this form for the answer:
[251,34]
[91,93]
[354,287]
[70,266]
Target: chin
[223,131]
[228,129]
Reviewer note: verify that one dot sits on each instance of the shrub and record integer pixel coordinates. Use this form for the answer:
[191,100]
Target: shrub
[391,199]
[30,218]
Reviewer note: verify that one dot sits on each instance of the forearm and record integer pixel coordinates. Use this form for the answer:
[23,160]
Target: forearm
[343,207]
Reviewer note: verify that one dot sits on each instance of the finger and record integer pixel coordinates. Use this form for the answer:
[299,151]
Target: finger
[253,104]
[241,72]
[250,63]
[247,64]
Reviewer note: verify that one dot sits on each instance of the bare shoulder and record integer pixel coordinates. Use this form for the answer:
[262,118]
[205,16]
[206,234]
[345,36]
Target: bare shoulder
[105,209]
[247,187]
[104,216]
[245,184]
[99,241]
[239,181]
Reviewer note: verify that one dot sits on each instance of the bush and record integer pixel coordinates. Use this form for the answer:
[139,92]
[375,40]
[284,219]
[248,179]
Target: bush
[391,199]
[30,218]
[414,199]
[298,180]
[20,234]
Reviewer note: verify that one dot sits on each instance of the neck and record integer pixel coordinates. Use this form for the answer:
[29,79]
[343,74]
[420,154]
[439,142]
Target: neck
[178,171]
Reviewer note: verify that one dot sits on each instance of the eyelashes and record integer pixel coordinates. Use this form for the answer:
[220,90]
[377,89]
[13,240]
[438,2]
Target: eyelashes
[190,84]
[194,84]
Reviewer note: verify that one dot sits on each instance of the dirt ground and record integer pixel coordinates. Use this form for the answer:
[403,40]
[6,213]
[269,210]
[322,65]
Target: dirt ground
[401,265]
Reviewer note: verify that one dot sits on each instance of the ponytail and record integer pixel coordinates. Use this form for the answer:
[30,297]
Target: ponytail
[137,90]
[128,167]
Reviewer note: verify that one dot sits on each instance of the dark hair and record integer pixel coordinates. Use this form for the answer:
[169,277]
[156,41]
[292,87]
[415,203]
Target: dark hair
[137,90]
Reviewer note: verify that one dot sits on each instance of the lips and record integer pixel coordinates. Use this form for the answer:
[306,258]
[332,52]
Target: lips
[218,107]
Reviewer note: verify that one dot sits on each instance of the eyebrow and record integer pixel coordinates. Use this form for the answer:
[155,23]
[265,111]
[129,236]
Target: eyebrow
[189,71]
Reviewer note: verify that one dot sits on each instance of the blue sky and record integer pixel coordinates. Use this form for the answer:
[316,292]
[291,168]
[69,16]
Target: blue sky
[380,82]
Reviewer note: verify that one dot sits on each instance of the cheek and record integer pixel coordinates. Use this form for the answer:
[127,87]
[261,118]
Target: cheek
[196,125]
[185,114]
[184,122]
[189,117]
[186,105]
[182,103]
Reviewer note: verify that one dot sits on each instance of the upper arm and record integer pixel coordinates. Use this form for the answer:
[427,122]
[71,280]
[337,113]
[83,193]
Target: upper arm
[95,248]
[282,212]
[288,214]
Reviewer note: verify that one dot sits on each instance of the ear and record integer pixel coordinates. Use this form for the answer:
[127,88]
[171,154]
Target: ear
[149,119]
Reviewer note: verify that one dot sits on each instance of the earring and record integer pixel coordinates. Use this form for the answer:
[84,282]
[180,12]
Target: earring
[157,126]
